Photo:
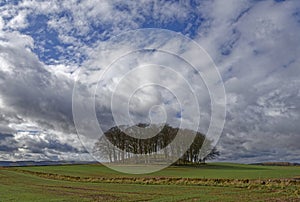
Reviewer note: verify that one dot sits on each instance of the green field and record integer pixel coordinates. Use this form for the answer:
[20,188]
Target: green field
[213,182]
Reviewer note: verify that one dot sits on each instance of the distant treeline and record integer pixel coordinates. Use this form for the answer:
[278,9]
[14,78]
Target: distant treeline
[117,146]
[277,164]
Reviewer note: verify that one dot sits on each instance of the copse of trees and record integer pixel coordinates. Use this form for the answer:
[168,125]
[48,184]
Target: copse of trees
[117,146]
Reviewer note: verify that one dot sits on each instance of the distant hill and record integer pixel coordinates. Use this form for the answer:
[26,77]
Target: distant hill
[277,164]
[41,163]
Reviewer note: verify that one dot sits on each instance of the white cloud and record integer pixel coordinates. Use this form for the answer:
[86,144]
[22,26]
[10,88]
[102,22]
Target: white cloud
[1,23]
[18,21]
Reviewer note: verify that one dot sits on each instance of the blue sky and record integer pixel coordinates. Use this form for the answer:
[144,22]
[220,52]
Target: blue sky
[254,44]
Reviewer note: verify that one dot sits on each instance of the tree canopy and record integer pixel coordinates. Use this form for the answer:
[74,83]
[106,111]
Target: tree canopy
[128,144]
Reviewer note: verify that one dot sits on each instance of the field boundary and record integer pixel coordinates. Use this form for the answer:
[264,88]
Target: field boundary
[242,183]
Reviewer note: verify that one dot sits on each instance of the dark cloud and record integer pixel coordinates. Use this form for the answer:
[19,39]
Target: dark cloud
[7,143]
[30,91]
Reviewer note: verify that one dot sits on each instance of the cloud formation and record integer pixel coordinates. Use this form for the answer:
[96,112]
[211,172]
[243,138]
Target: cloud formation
[255,45]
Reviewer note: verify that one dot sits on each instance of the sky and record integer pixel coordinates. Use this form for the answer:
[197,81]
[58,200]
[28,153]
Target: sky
[109,52]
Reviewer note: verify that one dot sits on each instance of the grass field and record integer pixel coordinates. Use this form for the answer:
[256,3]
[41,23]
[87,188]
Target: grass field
[213,182]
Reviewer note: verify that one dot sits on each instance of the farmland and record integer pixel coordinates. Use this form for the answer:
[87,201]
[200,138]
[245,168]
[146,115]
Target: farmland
[212,182]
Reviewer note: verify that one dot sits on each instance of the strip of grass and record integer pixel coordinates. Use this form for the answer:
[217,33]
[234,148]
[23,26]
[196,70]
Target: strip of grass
[213,170]
[16,186]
